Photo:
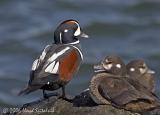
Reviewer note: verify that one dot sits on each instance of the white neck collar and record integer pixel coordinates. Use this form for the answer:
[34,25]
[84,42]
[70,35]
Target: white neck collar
[73,43]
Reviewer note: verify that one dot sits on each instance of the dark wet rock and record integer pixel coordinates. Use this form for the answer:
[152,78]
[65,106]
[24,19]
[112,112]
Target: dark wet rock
[81,105]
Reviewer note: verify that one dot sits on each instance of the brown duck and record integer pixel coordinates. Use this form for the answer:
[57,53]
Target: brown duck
[111,85]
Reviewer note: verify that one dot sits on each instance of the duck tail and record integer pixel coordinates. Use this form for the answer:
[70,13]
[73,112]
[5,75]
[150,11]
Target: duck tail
[25,91]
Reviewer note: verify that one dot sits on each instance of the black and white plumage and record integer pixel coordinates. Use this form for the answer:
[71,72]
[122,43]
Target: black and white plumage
[57,64]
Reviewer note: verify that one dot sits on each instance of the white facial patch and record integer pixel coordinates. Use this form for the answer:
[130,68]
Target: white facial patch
[142,70]
[65,30]
[107,60]
[144,65]
[108,66]
[78,31]
[132,69]
[118,65]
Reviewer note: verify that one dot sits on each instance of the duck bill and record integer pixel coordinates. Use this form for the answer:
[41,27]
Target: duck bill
[151,72]
[98,68]
[83,35]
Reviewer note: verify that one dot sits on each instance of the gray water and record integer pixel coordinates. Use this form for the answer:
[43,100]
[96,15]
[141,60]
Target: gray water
[129,28]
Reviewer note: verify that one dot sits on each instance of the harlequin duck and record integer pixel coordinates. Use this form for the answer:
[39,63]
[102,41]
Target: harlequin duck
[110,66]
[111,85]
[139,71]
[57,64]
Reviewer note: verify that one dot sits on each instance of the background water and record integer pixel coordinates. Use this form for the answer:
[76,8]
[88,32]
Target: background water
[129,28]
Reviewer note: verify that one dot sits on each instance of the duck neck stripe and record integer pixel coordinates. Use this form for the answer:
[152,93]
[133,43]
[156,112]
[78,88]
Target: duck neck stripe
[78,51]
[73,43]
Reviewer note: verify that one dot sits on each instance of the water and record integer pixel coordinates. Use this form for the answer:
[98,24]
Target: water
[127,28]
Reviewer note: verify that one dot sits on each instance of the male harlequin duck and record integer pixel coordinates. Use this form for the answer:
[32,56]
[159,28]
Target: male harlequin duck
[112,86]
[57,64]
[139,71]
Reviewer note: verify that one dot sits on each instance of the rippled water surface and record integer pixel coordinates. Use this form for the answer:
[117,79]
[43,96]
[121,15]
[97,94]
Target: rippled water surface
[129,28]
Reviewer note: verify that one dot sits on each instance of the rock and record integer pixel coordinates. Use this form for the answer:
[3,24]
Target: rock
[81,105]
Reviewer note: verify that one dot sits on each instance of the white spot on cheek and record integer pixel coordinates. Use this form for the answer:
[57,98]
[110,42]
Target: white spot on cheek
[48,83]
[118,65]
[65,30]
[132,69]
